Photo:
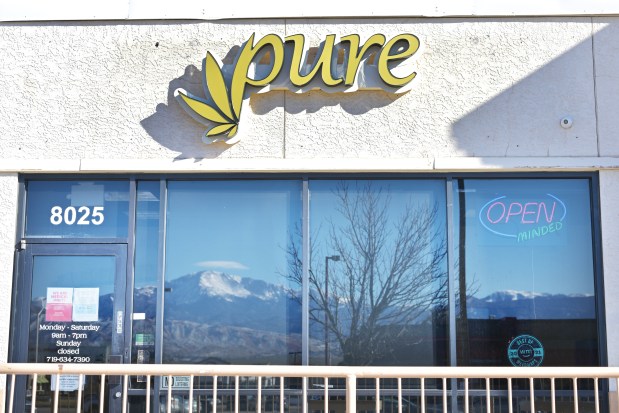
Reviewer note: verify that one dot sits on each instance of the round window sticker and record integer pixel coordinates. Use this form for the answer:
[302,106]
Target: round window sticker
[525,351]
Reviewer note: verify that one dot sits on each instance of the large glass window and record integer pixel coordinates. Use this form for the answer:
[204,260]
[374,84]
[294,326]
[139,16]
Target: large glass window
[378,278]
[526,273]
[228,298]
[219,268]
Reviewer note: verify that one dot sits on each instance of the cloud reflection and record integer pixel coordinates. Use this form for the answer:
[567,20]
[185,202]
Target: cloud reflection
[228,265]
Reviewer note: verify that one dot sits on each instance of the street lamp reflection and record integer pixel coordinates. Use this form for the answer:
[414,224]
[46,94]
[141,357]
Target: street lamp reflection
[327,258]
[42,301]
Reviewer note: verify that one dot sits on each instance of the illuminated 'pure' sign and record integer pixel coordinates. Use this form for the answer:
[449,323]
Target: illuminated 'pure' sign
[523,220]
[273,63]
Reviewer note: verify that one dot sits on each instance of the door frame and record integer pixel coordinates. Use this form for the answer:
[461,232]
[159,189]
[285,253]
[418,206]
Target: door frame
[120,340]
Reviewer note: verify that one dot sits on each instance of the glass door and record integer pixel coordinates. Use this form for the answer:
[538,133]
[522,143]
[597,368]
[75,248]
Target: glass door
[73,311]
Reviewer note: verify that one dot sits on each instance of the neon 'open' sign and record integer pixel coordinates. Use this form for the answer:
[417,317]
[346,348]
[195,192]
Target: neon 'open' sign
[524,220]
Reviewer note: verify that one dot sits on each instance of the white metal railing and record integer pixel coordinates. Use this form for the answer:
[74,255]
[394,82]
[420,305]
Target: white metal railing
[329,388]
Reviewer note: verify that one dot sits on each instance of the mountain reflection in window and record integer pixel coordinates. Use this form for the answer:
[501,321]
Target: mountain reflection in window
[378,277]
[226,301]
[526,258]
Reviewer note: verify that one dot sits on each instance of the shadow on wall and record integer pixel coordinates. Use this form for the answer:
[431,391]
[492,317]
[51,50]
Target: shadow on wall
[176,130]
[354,103]
[524,119]
[508,103]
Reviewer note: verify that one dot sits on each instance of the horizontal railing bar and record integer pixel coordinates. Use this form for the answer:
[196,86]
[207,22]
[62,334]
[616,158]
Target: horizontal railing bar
[438,390]
[342,392]
[472,373]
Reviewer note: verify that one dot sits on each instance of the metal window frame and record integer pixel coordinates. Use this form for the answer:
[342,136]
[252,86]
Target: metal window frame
[304,178]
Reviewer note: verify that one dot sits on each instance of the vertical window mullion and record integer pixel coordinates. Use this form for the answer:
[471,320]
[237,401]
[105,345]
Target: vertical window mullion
[451,272]
[133,200]
[163,205]
[161,270]
[305,269]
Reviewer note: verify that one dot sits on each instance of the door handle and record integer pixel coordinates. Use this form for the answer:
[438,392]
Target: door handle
[115,359]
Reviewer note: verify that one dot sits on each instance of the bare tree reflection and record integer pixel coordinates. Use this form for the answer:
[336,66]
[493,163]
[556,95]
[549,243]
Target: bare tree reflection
[391,271]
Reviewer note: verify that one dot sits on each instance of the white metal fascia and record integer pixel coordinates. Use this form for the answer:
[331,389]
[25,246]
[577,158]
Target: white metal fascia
[332,165]
[72,10]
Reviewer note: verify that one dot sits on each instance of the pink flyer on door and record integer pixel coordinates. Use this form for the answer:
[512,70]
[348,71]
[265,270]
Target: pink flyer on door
[59,305]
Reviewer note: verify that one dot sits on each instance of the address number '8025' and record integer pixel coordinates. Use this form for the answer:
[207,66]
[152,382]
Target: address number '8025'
[77,215]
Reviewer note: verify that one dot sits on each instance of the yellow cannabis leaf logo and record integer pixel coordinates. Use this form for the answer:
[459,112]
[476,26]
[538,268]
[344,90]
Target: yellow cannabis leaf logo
[220,110]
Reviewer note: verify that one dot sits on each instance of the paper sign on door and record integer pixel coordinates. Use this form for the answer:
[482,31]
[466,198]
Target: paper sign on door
[67,382]
[72,304]
[85,304]
[59,306]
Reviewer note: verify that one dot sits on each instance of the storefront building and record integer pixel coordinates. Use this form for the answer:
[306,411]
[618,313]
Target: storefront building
[402,188]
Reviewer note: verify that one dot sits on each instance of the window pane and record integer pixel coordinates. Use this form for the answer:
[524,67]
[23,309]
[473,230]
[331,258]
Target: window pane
[147,225]
[72,308]
[228,299]
[378,281]
[526,259]
[76,209]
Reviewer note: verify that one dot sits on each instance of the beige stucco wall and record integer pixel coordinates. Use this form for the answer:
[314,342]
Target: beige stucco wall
[8,221]
[606,63]
[485,88]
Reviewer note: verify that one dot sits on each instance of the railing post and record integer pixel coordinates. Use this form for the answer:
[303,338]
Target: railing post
[304,390]
[377,396]
[399,394]
[466,395]
[215,378]
[553,396]
[575,381]
[281,395]
[80,382]
[190,393]
[423,395]
[125,398]
[596,390]
[12,394]
[148,393]
[326,394]
[510,407]
[56,392]
[101,394]
[169,400]
[531,395]
[35,380]
[237,396]
[488,395]
[444,395]
[259,396]
[351,393]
